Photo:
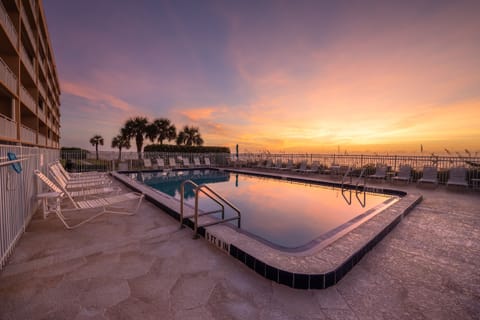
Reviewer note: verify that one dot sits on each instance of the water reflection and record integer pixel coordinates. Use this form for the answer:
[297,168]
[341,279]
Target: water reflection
[361,196]
[283,212]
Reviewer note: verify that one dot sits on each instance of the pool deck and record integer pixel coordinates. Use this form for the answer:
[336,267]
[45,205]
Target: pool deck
[145,267]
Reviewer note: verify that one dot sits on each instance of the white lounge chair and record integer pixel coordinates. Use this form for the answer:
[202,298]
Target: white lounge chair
[172,163]
[147,163]
[207,161]
[380,173]
[315,168]
[457,177]
[430,175]
[404,174]
[186,162]
[160,163]
[278,164]
[289,165]
[196,162]
[302,168]
[106,204]
[60,187]
[80,183]
[77,175]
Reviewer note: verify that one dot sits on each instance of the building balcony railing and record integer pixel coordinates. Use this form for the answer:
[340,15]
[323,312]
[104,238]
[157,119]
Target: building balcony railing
[42,139]
[8,25]
[27,62]
[42,90]
[26,23]
[8,77]
[8,127]
[34,8]
[41,114]
[41,63]
[27,135]
[27,99]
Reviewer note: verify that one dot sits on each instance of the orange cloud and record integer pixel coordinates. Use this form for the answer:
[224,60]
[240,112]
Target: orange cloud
[96,96]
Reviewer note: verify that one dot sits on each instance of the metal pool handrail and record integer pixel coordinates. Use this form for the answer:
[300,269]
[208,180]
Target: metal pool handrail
[197,191]
[182,197]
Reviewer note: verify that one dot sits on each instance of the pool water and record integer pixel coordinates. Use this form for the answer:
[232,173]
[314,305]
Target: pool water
[283,213]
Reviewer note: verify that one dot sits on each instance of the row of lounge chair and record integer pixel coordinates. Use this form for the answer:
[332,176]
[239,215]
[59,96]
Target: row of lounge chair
[77,193]
[184,162]
[456,177]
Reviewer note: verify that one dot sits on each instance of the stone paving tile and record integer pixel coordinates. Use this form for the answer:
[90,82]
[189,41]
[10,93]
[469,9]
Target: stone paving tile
[145,267]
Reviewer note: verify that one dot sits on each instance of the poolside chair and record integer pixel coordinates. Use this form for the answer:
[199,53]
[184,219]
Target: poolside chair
[79,184]
[77,175]
[207,161]
[172,162]
[457,177]
[186,162]
[288,166]
[147,163]
[404,174]
[380,173]
[430,175]
[269,164]
[196,162]
[60,187]
[314,168]
[103,203]
[302,168]
[278,164]
[160,163]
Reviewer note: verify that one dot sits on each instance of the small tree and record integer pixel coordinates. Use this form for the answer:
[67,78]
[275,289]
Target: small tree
[136,128]
[95,141]
[120,141]
[190,136]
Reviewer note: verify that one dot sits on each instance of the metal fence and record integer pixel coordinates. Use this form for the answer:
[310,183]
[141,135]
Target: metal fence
[371,161]
[77,161]
[18,192]
[86,161]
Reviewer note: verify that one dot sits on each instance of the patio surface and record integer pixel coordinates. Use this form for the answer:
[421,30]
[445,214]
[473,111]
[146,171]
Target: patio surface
[145,267]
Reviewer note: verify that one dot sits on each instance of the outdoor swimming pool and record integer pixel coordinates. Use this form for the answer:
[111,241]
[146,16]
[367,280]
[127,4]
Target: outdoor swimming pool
[282,213]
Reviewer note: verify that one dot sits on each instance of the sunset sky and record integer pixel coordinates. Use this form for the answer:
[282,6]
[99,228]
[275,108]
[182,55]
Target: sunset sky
[309,76]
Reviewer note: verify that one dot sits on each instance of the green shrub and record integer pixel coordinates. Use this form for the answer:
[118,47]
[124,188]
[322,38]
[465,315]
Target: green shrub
[184,149]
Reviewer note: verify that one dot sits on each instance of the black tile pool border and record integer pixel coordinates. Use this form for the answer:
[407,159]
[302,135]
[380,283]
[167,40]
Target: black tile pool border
[290,279]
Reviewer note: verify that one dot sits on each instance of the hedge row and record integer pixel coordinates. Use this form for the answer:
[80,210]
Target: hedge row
[184,149]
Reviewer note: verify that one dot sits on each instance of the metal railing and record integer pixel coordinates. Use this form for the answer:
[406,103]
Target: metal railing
[42,139]
[8,25]
[29,65]
[358,163]
[28,135]
[27,99]
[18,200]
[8,77]
[213,195]
[42,90]
[29,30]
[369,162]
[8,127]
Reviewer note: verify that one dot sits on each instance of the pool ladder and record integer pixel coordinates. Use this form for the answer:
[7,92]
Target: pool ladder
[217,198]
[357,184]
[359,179]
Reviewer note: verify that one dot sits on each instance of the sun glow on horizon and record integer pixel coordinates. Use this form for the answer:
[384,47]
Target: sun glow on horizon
[285,77]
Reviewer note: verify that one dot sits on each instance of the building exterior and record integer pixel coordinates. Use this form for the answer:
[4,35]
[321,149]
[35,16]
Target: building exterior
[29,86]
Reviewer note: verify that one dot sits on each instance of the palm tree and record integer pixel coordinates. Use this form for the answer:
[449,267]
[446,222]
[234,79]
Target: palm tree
[190,136]
[136,128]
[166,130]
[95,141]
[120,141]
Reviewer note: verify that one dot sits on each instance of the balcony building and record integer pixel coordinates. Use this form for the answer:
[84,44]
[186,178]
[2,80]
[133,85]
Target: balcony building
[29,86]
